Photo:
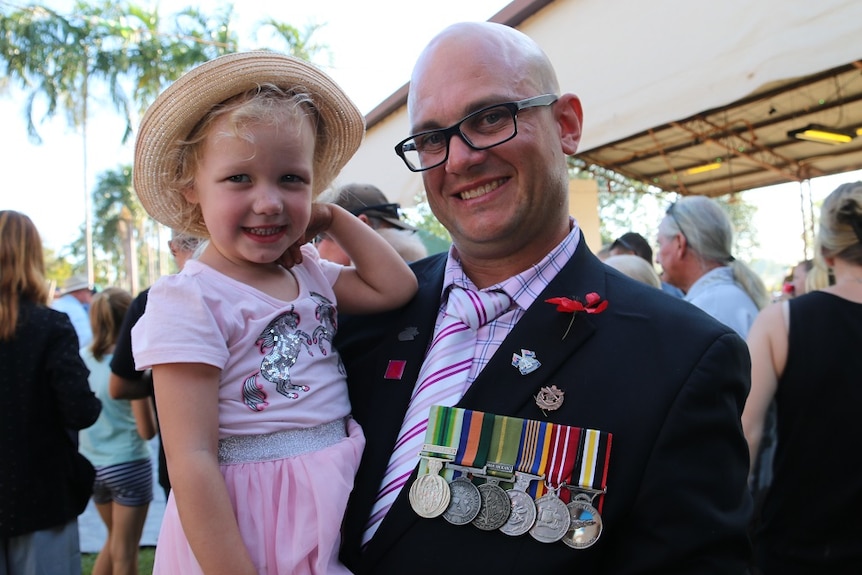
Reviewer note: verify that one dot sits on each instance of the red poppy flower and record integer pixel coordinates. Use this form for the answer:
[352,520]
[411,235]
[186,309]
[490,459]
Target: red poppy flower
[594,304]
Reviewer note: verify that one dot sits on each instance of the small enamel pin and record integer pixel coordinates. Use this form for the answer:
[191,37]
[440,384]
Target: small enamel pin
[526,362]
[549,398]
[408,334]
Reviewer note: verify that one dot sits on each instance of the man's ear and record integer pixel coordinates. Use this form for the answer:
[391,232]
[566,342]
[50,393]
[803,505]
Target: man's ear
[365,219]
[571,120]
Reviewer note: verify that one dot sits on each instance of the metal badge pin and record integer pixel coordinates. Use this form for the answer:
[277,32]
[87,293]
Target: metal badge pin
[526,362]
[408,334]
[549,398]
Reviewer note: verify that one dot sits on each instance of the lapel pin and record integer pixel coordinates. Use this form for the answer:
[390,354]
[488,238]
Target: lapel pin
[550,398]
[395,369]
[526,362]
[408,334]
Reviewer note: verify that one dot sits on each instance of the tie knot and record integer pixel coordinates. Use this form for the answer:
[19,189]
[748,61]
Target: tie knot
[476,308]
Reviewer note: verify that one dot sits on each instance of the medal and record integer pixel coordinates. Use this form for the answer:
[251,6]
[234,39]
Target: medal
[552,519]
[495,508]
[586,525]
[523,510]
[465,501]
[429,495]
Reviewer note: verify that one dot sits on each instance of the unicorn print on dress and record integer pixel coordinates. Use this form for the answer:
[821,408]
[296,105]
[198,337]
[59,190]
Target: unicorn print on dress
[325,314]
[281,343]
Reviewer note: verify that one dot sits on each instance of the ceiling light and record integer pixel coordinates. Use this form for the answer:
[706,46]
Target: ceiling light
[822,134]
[703,168]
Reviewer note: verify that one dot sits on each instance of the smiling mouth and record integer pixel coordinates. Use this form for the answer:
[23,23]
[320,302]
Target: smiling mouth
[269,231]
[481,190]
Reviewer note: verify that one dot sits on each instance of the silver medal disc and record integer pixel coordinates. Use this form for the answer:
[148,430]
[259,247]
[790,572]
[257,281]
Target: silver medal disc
[465,502]
[522,515]
[586,526]
[552,519]
[429,496]
[495,507]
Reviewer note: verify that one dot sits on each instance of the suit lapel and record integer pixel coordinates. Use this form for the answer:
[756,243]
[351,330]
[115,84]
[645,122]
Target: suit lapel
[501,388]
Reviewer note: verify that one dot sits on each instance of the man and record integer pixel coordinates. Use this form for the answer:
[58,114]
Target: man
[126,382]
[635,244]
[663,378]
[75,302]
[695,240]
[369,204]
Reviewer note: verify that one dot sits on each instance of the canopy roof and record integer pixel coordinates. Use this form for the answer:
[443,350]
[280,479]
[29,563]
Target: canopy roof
[725,83]
[746,144]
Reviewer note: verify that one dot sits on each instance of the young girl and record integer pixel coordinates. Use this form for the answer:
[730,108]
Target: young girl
[116,444]
[251,395]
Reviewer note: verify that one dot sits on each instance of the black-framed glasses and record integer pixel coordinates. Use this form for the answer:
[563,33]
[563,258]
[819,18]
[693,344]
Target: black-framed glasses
[676,221]
[482,129]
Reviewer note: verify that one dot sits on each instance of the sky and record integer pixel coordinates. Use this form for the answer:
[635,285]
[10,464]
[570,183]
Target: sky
[373,45]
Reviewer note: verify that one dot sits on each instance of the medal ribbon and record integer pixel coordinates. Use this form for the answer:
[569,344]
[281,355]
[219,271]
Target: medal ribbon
[476,432]
[505,444]
[532,457]
[565,445]
[594,455]
[442,435]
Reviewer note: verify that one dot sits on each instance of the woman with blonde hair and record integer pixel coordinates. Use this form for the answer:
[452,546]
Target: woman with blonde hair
[45,483]
[805,357]
[117,444]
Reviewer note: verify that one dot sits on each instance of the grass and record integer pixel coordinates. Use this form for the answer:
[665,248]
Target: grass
[145,561]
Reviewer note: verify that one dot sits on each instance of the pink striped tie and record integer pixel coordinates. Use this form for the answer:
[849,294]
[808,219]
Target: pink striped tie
[442,381]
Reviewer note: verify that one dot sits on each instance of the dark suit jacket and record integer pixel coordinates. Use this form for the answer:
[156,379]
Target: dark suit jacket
[667,380]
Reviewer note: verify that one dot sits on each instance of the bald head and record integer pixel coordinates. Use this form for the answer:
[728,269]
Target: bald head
[482,49]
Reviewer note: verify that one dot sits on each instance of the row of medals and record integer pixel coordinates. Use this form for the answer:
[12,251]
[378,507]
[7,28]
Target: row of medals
[489,507]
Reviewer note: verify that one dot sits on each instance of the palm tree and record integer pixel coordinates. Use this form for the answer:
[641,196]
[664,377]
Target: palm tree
[123,51]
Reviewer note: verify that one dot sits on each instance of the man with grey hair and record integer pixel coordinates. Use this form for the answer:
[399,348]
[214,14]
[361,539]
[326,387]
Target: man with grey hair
[696,253]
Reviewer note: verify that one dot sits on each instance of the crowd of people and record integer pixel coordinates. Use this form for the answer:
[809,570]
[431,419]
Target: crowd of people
[332,399]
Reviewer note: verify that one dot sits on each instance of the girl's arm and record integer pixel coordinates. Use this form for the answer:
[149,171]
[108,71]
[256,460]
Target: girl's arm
[767,343]
[145,417]
[187,399]
[378,278]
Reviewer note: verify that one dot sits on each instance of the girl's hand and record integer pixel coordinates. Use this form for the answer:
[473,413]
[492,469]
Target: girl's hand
[319,222]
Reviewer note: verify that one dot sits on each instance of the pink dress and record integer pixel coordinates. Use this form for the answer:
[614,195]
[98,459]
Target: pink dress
[288,449]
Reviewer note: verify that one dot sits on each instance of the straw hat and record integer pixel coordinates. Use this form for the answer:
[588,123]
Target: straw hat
[178,109]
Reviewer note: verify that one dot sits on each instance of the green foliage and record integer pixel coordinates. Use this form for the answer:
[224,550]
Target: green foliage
[128,53]
[629,205]
[423,218]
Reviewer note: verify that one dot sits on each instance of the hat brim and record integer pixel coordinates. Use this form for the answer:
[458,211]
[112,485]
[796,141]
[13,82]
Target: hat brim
[177,110]
[394,221]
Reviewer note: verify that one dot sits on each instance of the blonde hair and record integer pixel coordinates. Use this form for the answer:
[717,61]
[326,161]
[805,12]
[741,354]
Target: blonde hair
[267,104]
[107,311]
[840,232]
[636,268]
[22,269]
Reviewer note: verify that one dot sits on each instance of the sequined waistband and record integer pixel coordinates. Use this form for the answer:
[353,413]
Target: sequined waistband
[281,444]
